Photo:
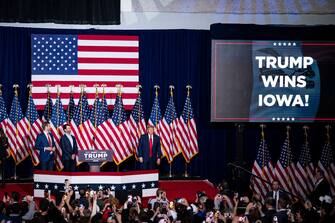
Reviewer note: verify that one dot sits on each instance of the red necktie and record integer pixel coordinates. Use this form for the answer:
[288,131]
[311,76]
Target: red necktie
[49,140]
[150,146]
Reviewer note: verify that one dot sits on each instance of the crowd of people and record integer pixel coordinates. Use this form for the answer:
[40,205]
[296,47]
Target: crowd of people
[101,206]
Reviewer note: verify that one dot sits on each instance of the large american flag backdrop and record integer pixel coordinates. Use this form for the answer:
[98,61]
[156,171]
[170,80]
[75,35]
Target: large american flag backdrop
[84,59]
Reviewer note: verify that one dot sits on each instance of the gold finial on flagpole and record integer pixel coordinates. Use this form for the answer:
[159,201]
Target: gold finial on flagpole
[288,128]
[58,89]
[48,88]
[171,87]
[30,86]
[139,88]
[82,88]
[156,87]
[16,87]
[189,88]
[305,128]
[96,90]
[262,130]
[71,88]
[119,89]
[103,89]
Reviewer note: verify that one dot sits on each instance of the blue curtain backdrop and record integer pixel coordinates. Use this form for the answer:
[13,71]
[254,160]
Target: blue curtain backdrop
[177,57]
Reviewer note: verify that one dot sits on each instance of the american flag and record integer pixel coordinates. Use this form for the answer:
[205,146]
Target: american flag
[305,171]
[137,123]
[47,108]
[96,115]
[84,59]
[262,168]
[17,131]
[285,168]
[35,127]
[168,129]
[155,116]
[104,107]
[327,165]
[120,141]
[81,124]
[187,131]
[58,119]
[70,109]
[102,133]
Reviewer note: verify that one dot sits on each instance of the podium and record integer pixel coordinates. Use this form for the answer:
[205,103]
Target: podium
[95,158]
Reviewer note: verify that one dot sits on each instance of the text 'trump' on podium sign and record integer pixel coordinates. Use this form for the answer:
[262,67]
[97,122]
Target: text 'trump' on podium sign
[95,156]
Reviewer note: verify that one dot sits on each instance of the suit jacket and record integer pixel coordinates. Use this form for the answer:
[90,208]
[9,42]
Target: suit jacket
[41,143]
[144,147]
[281,195]
[321,189]
[67,149]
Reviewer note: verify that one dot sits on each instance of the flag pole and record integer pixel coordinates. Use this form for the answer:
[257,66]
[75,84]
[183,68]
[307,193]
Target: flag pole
[156,110]
[188,87]
[15,86]
[68,107]
[95,104]
[81,104]
[118,89]
[57,108]
[29,86]
[263,139]
[138,132]
[103,96]
[328,127]
[288,128]
[170,163]
[305,128]
[48,104]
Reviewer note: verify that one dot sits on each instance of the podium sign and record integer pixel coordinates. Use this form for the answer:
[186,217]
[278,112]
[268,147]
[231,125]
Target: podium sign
[95,155]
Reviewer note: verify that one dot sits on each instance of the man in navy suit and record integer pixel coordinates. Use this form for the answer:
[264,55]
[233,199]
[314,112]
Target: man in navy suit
[276,193]
[149,149]
[46,145]
[69,148]
[321,187]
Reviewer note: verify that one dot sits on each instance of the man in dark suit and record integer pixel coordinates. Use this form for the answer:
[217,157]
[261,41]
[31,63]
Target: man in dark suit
[276,193]
[69,148]
[321,187]
[149,149]
[45,143]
